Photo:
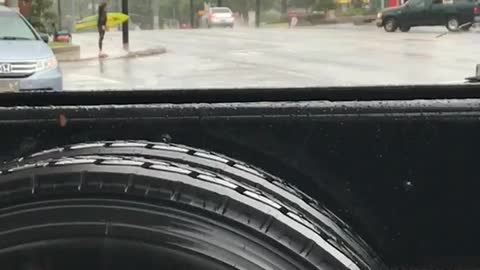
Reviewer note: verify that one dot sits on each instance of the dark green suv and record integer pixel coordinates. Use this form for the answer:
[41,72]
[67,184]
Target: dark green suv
[454,14]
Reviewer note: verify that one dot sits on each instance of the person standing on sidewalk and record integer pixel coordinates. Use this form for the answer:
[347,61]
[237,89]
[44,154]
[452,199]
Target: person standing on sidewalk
[102,25]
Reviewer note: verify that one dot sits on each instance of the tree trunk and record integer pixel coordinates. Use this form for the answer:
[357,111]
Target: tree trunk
[284,7]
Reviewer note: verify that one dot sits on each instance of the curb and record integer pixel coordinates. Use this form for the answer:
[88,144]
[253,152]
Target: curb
[362,20]
[131,54]
[67,52]
[356,20]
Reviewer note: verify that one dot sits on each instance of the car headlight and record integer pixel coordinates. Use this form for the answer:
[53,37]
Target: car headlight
[46,64]
[379,15]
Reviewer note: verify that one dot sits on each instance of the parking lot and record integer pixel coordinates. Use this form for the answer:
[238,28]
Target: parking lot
[329,55]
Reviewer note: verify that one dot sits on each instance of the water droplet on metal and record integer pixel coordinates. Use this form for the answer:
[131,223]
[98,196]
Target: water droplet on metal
[408,185]
[62,120]
[166,138]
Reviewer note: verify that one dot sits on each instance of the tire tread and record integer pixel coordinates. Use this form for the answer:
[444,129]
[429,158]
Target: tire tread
[245,177]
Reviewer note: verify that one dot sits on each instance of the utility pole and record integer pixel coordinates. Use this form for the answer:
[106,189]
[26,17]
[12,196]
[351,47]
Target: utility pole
[59,6]
[258,7]
[125,29]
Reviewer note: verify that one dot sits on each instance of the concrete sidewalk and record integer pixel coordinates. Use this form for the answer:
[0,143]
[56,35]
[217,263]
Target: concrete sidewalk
[112,46]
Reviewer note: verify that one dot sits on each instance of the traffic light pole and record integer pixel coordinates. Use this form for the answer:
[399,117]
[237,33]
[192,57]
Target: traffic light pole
[125,29]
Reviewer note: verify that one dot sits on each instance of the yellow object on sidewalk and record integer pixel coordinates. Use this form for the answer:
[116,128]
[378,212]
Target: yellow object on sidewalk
[113,19]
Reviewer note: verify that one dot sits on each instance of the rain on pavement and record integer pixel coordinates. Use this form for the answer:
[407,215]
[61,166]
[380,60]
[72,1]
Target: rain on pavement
[329,55]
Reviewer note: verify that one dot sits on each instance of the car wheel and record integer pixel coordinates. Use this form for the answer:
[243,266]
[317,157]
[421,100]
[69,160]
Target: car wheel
[144,205]
[453,24]
[405,28]
[390,25]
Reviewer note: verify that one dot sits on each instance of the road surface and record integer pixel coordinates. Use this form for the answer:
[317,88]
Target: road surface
[333,55]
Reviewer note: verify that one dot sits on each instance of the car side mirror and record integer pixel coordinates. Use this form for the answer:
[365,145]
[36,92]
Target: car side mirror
[44,37]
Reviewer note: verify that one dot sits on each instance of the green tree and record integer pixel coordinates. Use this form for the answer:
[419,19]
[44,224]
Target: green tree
[324,5]
[312,4]
[42,16]
[176,9]
[243,6]
[141,13]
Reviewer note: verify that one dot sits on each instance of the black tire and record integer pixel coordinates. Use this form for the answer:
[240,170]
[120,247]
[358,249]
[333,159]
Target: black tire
[390,25]
[453,24]
[121,190]
[405,28]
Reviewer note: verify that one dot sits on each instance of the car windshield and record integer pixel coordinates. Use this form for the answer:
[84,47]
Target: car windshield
[14,27]
[192,44]
[221,10]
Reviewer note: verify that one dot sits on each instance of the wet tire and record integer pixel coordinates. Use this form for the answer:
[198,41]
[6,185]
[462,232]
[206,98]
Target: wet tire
[453,24]
[136,205]
[390,25]
[405,28]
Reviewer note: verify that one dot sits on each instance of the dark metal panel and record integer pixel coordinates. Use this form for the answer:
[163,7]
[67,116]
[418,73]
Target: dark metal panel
[241,95]
[402,172]
[423,110]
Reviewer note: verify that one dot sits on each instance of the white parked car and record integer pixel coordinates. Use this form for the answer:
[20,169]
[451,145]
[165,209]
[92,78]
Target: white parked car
[220,16]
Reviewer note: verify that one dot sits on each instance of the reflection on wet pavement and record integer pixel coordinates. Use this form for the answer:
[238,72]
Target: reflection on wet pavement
[321,56]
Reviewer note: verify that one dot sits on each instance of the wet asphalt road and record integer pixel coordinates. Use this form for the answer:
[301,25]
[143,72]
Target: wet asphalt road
[333,55]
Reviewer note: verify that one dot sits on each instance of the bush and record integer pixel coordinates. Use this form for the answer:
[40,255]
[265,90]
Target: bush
[271,16]
[356,12]
[324,5]
[316,17]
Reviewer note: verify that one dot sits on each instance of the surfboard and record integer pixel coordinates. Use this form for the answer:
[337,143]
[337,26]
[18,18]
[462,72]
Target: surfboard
[113,19]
